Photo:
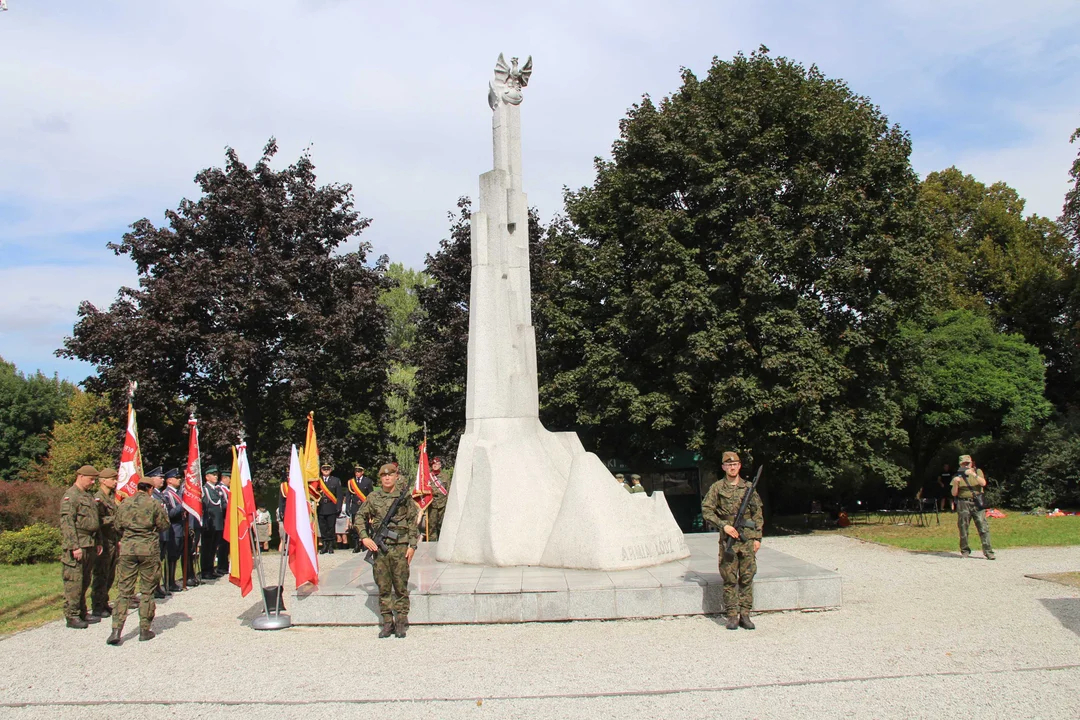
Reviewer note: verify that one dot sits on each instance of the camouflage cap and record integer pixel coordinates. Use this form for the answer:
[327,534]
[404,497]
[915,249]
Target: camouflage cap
[107,474]
[388,469]
[730,457]
[964,459]
[87,471]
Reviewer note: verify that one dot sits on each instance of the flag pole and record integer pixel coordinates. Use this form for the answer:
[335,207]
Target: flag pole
[275,620]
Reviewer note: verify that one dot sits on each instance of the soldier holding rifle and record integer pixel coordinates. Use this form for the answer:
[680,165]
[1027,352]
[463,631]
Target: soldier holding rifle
[396,529]
[738,563]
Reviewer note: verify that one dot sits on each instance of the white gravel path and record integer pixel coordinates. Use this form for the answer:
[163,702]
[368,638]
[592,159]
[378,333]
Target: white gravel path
[919,635]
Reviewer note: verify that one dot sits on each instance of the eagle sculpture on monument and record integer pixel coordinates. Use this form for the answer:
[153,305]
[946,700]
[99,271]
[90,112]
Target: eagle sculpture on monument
[509,79]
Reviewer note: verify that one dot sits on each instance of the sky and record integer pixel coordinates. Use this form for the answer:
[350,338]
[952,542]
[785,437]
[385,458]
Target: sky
[109,109]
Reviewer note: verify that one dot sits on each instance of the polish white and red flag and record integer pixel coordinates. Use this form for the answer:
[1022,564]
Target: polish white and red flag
[192,497]
[303,562]
[131,469]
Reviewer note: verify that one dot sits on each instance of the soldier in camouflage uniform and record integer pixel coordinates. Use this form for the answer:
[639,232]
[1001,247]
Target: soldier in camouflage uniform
[391,568]
[440,489]
[139,520]
[80,526]
[719,507]
[105,563]
[965,484]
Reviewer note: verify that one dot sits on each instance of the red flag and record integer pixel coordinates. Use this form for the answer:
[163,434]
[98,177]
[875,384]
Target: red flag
[303,561]
[131,468]
[421,491]
[238,527]
[192,498]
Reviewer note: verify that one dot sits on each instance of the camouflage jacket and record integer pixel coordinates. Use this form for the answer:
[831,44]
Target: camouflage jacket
[106,506]
[440,499]
[965,490]
[374,510]
[79,520]
[722,502]
[138,520]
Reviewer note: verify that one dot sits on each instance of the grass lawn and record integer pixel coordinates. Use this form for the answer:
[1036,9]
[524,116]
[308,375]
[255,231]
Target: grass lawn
[30,595]
[1014,530]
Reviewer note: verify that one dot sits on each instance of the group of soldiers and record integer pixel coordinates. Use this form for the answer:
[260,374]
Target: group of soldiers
[143,541]
[137,542]
[634,486]
[103,540]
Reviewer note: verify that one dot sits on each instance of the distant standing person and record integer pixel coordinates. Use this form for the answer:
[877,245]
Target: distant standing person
[966,483]
[105,563]
[140,519]
[223,545]
[262,527]
[719,507]
[945,483]
[80,525]
[635,484]
[441,490]
[213,522]
[360,487]
[391,569]
[329,507]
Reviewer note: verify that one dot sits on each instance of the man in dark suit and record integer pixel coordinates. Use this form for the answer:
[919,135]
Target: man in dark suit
[225,486]
[213,524]
[358,490]
[329,506]
[174,543]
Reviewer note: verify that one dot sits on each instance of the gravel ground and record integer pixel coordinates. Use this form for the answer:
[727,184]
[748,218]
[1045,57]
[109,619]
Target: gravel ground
[919,635]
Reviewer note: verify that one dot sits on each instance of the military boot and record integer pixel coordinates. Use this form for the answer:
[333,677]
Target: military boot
[146,634]
[90,619]
[744,621]
[387,628]
[102,612]
[77,623]
[401,625]
[114,636]
[733,622]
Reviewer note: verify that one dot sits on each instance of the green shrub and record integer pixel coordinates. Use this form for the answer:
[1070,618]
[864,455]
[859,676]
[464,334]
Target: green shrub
[34,543]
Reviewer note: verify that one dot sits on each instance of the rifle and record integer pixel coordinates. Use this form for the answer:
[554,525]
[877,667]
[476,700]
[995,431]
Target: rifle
[740,521]
[383,532]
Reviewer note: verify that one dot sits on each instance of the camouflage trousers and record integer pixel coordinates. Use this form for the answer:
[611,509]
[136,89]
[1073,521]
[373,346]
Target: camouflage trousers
[144,569]
[76,576]
[965,513]
[392,574]
[104,574]
[738,573]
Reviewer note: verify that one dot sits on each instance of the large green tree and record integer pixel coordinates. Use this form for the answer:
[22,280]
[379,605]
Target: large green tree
[1017,270]
[247,310]
[735,272]
[966,380]
[29,405]
[404,314]
[91,435]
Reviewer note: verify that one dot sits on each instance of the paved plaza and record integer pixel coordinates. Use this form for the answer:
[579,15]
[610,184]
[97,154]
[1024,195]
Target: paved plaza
[919,635]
